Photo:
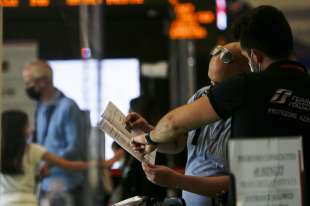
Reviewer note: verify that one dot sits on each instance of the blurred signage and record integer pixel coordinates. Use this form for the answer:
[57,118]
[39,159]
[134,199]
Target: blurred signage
[108,2]
[9,3]
[39,2]
[46,3]
[187,24]
[268,171]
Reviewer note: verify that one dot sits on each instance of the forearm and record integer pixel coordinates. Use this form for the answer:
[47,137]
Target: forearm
[184,118]
[54,160]
[75,165]
[168,129]
[208,186]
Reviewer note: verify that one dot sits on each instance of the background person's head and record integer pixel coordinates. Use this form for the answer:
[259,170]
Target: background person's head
[15,129]
[264,34]
[218,70]
[38,78]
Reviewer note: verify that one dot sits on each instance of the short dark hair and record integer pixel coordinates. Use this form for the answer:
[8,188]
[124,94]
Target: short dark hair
[265,28]
[13,141]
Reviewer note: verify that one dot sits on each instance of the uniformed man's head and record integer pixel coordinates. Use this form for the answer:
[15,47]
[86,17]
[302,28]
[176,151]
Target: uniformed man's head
[37,77]
[264,33]
[227,61]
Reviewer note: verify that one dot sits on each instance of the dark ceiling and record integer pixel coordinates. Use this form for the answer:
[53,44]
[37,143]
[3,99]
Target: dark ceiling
[128,31]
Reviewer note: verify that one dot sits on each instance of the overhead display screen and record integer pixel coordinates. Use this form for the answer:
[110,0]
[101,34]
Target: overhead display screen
[46,3]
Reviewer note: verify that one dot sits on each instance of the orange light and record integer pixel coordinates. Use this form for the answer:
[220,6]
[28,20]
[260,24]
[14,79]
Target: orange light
[205,17]
[187,8]
[9,3]
[173,2]
[73,2]
[79,2]
[40,3]
[187,23]
[187,31]
[123,2]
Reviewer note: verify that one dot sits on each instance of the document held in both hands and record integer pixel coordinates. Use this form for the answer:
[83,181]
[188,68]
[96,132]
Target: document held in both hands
[113,123]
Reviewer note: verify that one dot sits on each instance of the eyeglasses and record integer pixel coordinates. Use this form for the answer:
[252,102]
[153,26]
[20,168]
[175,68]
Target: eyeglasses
[225,55]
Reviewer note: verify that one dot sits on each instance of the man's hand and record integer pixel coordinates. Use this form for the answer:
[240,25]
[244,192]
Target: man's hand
[135,121]
[160,175]
[139,144]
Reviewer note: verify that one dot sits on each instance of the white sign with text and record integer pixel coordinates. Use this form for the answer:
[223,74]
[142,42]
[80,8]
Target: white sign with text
[267,171]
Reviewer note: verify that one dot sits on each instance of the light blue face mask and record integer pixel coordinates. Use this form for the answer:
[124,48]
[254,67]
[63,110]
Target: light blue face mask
[255,67]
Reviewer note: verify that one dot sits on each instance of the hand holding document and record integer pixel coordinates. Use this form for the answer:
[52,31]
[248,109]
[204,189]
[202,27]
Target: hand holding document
[113,123]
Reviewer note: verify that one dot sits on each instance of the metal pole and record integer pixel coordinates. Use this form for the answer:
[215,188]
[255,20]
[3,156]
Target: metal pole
[91,48]
[1,55]
[182,71]
[97,37]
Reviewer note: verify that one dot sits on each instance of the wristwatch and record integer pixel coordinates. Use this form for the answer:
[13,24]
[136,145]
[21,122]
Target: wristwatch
[149,140]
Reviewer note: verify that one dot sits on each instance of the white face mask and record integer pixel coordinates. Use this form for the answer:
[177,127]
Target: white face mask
[255,67]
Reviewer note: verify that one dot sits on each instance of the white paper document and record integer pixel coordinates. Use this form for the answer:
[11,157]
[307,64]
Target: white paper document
[113,123]
[133,201]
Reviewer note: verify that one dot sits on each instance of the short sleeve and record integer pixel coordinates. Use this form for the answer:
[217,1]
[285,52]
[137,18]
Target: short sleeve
[201,92]
[228,96]
[36,152]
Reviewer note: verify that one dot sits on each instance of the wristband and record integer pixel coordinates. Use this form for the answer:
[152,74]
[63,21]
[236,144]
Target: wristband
[149,140]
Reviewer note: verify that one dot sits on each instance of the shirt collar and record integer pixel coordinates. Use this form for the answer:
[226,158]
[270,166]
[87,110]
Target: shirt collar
[287,65]
[55,98]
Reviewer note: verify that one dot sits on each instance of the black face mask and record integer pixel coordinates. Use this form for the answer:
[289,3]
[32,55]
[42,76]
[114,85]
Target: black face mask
[33,94]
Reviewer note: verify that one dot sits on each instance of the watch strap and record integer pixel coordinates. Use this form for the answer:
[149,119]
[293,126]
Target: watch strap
[149,140]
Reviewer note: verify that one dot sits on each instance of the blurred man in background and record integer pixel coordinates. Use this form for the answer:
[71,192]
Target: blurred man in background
[58,127]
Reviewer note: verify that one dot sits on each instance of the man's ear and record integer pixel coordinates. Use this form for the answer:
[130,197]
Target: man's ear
[258,56]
